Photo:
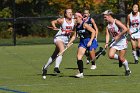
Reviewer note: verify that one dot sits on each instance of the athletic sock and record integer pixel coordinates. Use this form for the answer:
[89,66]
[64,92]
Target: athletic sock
[93,62]
[80,65]
[138,52]
[58,61]
[116,56]
[135,55]
[48,63]
[125,63]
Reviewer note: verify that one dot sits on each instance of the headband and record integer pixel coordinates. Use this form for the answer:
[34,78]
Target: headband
[79,14]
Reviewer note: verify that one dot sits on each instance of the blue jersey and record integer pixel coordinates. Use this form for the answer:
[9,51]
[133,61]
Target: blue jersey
[82,32]
[85,36]
[88,21]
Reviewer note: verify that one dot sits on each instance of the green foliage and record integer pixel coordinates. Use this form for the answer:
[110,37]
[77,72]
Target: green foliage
[5,30]
[6,13]
[37,8]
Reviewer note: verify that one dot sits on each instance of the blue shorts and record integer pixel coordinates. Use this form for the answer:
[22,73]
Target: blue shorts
[84,42]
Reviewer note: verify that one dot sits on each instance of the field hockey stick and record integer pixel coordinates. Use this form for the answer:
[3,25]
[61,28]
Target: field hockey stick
[134,33]
[61,53]
[102,50]
[64,50]
[69,31]
[48,27]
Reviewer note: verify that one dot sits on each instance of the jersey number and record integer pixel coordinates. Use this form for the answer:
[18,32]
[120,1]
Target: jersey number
[114,34]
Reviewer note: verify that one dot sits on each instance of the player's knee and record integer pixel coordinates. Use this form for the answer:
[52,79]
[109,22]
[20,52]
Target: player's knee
[79,57]
[138,46]
[122,59]
[134,47]
[111,56]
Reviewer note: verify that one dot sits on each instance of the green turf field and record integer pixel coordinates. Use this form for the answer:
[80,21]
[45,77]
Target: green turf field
[20,72]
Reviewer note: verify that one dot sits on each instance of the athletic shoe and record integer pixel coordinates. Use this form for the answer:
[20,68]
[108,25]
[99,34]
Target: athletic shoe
[136,61]
[44,73]
[79,75]
[56,70]
[127,72]
[120,63]
[93,67]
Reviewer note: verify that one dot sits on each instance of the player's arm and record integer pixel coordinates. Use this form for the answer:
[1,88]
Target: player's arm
[128,23]
[107,38]
[72,39]
[89,28]
[95,26]
[55,22]
[74,35]
[123,27]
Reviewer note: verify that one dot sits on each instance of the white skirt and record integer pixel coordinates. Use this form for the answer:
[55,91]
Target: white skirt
[64,39]
[135,35]
[120,45]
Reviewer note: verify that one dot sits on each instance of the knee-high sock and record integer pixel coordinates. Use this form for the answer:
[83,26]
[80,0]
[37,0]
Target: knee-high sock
[135,55]
[80,65]
[48,63]
[58,61]
[125,63]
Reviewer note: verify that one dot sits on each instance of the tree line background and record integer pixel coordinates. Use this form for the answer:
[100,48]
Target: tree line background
[50,10]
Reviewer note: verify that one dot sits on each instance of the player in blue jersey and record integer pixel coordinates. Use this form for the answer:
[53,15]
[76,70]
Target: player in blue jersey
[91,22]
[87,41]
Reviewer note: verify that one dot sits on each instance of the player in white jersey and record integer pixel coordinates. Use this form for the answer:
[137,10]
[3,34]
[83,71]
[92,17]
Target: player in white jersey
[116,30]
[60,39]
[133,23]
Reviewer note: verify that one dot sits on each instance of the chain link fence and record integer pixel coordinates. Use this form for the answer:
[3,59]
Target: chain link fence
[33,30]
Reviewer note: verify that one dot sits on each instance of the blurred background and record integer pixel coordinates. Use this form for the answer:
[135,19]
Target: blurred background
[25,22]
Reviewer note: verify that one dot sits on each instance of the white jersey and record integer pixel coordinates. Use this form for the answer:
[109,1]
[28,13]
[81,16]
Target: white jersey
[114,30]
[135,25]
[63,34]
[65,27]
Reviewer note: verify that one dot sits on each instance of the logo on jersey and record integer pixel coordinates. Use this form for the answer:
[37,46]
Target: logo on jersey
[135,23]
[69,27]
[113,32]
[81,31]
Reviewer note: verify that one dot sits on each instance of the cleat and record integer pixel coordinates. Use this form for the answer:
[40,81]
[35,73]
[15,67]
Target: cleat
[120,63]
[56,70]
[79,75]
[127,73]
[93,67]
[44,73]
[136,61]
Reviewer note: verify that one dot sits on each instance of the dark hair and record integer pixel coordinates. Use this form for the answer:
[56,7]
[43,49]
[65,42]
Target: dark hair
[135,4]
[80,12]
[65,11]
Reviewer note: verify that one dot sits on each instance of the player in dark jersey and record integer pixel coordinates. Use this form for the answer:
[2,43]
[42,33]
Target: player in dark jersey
[91,22]
[87,41]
